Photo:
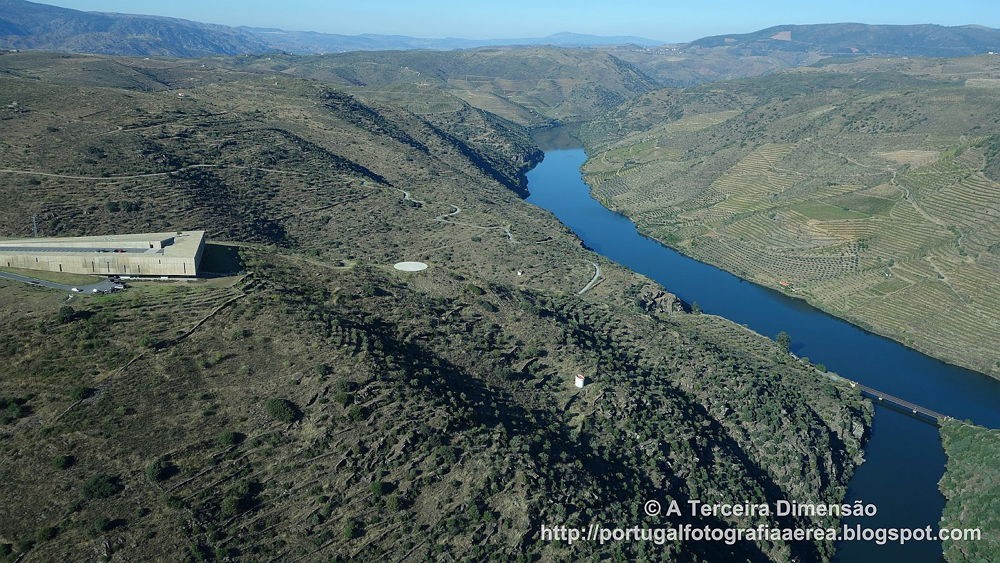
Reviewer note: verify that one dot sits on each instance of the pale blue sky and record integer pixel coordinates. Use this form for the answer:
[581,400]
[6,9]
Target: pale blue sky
[667,20]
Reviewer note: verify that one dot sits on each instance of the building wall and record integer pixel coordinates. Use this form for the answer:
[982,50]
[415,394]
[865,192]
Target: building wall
[104,264]
[153,254]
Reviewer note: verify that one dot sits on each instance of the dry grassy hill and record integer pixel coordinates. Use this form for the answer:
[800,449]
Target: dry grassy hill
[322,405]
[527,85]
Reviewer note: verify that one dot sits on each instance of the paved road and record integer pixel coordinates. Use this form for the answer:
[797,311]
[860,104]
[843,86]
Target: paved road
[103,285]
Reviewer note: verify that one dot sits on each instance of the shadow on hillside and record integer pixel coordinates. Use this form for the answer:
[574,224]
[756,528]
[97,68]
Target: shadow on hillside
[221,260]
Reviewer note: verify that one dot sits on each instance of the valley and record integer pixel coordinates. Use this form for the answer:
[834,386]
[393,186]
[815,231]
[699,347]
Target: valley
[322,404]
[421,336]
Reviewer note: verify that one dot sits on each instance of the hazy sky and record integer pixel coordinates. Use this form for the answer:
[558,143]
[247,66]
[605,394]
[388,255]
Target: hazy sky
[667,20]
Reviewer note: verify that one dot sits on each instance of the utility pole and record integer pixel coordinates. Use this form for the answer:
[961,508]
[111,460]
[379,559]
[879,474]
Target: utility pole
[34,225]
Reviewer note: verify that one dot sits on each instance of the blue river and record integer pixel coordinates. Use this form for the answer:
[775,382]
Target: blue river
[904,457]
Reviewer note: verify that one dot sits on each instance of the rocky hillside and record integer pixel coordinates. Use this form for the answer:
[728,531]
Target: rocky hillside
[319,404]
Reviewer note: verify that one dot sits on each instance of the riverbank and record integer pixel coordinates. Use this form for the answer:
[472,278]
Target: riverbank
[947,354]
[972,486]
[904,457]
[882,227]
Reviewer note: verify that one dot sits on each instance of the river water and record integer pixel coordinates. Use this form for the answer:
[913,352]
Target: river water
[904,457]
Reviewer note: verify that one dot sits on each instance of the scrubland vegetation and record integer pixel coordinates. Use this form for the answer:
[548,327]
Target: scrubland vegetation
[320,404]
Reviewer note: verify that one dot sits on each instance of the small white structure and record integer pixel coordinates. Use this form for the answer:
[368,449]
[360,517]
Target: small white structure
[580,380]
[410,266]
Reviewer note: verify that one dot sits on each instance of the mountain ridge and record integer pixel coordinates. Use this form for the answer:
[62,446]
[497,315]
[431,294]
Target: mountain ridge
[30,25]
[852,38]
[312,42]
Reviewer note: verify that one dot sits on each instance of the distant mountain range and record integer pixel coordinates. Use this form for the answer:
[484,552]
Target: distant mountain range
[861,39]
[28,25]
[309,42]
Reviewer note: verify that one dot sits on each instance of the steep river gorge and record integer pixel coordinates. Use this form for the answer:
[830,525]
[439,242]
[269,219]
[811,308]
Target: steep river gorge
[904,457]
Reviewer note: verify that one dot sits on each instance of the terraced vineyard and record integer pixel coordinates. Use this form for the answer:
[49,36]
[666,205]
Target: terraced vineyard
[869,197]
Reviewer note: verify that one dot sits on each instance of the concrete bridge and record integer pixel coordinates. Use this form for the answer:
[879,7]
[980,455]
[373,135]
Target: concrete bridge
[913,409]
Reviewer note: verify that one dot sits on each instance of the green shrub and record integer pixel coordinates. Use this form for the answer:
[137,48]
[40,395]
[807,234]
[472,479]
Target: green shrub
[80,393]
[99,525]
[65,314]
[24,545]
[784,341]
[198,551]
[351,529]
[12,409]
[161,470]
[231,438]
[101,486]
[230,506]
[240,498]
[46,534]
[283,410]
[63,461]
[131,206]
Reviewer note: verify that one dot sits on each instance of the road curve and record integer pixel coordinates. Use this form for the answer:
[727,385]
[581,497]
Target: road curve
[593,281]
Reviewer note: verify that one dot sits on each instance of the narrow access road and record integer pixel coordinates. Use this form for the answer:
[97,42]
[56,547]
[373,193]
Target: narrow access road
[593,281]
[103,285]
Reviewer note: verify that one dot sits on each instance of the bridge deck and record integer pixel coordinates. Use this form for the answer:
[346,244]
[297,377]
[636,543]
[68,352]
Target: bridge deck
[892,400]
[901,403]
